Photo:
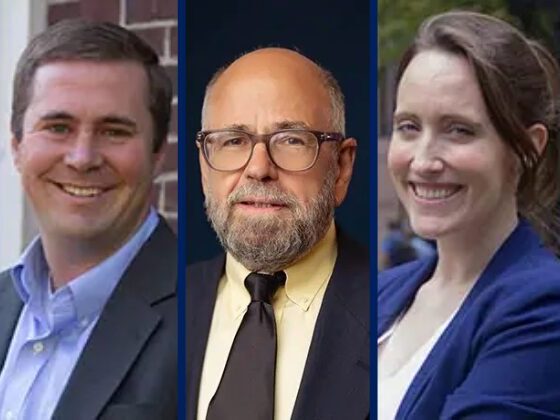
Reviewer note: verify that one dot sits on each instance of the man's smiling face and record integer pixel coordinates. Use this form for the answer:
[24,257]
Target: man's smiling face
[86,153]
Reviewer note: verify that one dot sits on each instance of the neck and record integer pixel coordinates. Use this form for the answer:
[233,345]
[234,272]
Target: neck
[464,255]
[70,256]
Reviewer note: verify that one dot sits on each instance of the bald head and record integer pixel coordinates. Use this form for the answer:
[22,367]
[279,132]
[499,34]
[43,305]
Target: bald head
[270,75]
[264,92]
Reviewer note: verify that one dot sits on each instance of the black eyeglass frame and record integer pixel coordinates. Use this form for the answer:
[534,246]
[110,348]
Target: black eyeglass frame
[321,137]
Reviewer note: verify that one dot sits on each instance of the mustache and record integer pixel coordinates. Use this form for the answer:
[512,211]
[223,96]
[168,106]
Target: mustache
[267,192]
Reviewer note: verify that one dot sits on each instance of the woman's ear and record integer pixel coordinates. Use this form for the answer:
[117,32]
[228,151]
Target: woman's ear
[539,136]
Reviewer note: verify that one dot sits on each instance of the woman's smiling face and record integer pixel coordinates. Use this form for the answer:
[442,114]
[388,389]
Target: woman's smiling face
[451,169]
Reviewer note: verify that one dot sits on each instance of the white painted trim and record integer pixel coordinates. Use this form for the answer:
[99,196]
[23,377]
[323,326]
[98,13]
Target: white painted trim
[19,20]
[51,2]
[168,214]
[166,176]
[152,24]
[122,12]
[169,61]
[167,42]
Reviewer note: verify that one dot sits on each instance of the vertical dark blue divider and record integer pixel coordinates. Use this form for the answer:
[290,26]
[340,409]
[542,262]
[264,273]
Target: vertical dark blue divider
[182,213]
[373,200]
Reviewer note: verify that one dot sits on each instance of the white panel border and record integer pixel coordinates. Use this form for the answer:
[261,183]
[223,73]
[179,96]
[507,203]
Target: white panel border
[19,20]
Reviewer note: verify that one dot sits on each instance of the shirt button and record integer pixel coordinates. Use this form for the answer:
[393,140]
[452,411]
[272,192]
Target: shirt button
[9,415]
[38,347]
[84,322]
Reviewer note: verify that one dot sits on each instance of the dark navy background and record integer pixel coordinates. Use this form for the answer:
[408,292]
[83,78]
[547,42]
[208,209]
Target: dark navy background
[335,34]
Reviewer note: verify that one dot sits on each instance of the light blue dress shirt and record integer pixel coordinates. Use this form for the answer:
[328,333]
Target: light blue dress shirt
[53,328]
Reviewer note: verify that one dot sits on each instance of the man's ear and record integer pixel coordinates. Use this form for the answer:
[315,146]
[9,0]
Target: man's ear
[346,157]
[15,146]
[159,160]
[204,169]
[539,136]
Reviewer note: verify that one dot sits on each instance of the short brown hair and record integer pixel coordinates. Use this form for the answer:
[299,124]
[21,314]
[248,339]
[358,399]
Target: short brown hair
[520,84]
[82,40]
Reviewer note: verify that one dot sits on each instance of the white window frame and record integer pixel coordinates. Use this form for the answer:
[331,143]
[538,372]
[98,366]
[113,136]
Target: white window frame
[19,21]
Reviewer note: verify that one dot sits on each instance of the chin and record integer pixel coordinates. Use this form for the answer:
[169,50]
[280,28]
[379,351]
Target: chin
[82,232]
[85,228]
[430,227]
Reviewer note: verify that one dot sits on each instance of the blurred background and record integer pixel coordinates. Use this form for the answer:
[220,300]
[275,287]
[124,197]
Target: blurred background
[397,24]
[153,20]
[333,33]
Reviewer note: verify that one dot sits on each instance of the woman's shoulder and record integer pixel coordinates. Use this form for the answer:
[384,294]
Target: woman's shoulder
[537,272]
[532,283]
[395,278]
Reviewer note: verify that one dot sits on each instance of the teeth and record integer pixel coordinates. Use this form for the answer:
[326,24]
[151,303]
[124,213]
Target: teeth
[430,193]
[263,205]
[82,191]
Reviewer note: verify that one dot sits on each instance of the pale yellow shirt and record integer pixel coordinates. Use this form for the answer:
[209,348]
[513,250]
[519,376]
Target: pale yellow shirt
[296,307]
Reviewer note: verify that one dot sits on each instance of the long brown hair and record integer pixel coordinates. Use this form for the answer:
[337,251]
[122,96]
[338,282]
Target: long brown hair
[520,84]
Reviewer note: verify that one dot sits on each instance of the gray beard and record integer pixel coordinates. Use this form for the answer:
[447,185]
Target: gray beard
[272,242]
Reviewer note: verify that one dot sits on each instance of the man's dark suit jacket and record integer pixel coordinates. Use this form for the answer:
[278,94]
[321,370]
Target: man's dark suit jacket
[499,357]
[128,368]
[335,382]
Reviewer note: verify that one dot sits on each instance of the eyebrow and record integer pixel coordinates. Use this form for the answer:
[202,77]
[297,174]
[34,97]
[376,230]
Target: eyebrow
[57,115]
[290,124]
[462,119]
[108,119]
[399,116]
[240,127]
[280,125]
[117,119]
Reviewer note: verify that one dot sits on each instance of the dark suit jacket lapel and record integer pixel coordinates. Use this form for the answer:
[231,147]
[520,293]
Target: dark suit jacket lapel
[335,382]
[123,328]
[10,308]
[202,286]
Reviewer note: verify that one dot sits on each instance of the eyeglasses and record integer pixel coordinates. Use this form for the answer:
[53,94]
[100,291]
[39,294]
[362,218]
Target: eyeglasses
[291,150]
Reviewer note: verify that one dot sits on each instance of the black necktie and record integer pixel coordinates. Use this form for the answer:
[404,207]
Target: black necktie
[246,391]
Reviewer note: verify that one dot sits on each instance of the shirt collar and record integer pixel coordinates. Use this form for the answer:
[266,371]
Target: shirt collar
[90,290]
[304,278]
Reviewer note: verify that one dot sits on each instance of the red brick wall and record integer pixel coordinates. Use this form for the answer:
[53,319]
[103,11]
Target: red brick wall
[156,22]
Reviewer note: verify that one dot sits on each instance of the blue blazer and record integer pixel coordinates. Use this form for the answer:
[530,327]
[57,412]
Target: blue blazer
[128,368]
[499,358]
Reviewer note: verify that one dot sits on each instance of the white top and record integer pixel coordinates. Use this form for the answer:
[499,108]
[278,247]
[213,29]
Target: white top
[392,388]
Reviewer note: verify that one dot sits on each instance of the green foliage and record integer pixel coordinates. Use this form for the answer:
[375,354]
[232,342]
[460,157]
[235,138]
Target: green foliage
[540,26]
[398,20]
